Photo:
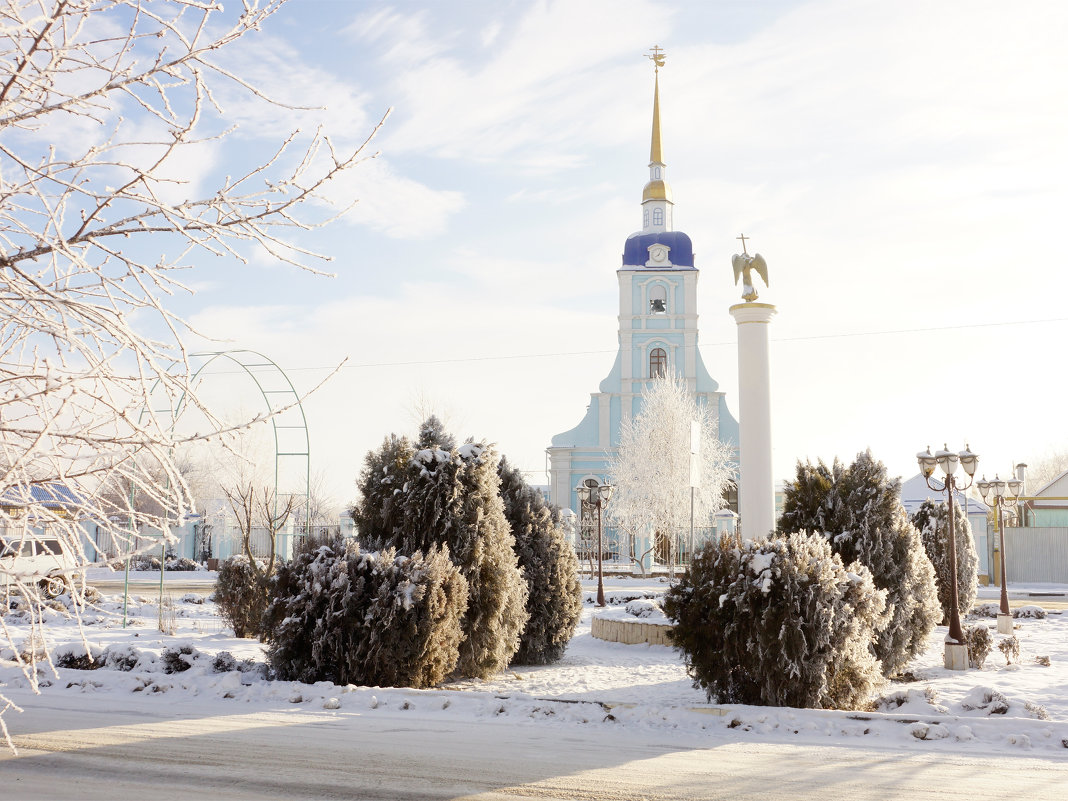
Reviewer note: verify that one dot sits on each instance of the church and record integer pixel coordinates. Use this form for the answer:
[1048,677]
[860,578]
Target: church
[658,336]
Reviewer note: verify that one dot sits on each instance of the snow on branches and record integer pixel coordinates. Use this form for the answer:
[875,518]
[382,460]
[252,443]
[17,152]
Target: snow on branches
[105,106]
[651,469]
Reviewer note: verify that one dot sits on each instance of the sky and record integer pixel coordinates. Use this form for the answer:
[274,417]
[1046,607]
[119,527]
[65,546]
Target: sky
[901,166]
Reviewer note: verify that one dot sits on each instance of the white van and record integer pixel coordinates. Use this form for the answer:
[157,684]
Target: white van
[29,554]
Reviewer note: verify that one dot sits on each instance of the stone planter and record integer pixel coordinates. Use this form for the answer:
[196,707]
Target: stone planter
[635,631]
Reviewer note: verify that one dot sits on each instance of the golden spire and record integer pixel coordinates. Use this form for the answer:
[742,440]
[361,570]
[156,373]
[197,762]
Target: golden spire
[657,57]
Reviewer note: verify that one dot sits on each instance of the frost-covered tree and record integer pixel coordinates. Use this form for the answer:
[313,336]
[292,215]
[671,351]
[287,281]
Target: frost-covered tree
[1044,469]
[380,510]
[778,622]
[932,521]
[549,564]
[104,104]
[414,499]
[346,615]
[651,468]
[862,518]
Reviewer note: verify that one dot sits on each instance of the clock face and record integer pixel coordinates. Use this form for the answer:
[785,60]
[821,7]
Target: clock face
[658,253]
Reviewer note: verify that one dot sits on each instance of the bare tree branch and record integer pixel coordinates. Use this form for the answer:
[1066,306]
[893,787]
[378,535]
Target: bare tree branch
[100,103]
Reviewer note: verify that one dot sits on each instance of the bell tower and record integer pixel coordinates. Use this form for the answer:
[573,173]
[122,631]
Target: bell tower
[658,333]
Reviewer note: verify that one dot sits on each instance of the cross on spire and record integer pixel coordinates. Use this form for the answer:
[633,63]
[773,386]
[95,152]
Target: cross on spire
[657,57]
[743,237]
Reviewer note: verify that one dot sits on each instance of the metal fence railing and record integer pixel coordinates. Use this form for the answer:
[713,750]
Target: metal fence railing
[624,550]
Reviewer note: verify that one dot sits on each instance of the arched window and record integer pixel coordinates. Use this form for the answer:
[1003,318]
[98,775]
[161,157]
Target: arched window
[658,216]
[657,299]
[657,363]
[656,173]
[645,218]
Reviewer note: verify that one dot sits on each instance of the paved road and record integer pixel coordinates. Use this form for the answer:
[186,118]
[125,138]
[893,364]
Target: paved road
[177,584]
[150,588]
[152,750]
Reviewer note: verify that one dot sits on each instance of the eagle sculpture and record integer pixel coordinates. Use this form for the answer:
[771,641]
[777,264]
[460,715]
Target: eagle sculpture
[744,265]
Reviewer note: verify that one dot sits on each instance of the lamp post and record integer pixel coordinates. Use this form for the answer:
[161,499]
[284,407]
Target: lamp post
[1004,493]
[597,496]
[956,654]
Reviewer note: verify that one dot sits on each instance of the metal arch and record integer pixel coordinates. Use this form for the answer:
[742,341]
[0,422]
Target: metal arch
[284,406]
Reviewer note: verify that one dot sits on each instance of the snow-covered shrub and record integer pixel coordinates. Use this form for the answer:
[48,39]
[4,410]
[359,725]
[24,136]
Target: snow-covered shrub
[178,658]
[182,564]
[435,496]
[1010,648]
[858,510]
[549,564]
[932,521]
[75,656]
[984,610]
[242,596]
[986,699]
[979,643]
[778,622]
[225,662]
[121,657]
[1033,612]
[377,618]
[643,607]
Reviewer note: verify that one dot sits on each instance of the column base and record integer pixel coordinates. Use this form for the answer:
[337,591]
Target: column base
[956,656]
[1004,624]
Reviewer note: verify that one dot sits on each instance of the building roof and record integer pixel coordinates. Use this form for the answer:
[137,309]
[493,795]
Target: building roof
[915,491]
[50,495]
[1049,485]
[636,249]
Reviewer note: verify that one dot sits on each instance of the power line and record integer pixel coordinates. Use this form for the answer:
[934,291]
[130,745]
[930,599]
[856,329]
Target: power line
[562,354]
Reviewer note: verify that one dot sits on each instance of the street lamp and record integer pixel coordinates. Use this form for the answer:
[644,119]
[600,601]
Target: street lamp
[596,496]
[1004,493]
[956,654]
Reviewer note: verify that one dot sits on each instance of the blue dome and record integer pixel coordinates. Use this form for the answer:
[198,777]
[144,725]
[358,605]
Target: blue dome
[636,249]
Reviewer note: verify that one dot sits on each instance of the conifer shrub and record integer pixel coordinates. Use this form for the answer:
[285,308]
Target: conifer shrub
[778,622]
[350,616]
[241,596]
[932,521]
[432,494]
[550,567]
[859,512]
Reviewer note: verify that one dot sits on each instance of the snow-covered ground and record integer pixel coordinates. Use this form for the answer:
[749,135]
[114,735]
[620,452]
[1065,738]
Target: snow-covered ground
[1022,707]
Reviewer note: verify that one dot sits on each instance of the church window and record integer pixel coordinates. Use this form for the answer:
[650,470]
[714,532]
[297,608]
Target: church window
[656,173]
[658,216]
[657,300]
[657,363]
[645,220]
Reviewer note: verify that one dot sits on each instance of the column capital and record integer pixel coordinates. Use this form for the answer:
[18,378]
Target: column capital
[753,312]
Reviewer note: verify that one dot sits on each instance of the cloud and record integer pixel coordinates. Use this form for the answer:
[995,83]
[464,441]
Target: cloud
[537,92]
[393,204]
[434,341]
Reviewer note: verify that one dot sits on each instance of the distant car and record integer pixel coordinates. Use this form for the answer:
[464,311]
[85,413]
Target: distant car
[28,554]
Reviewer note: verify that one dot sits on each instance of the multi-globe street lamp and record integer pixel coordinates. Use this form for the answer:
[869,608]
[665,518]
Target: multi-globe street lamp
[956,654]
[596,496]
[1003,493]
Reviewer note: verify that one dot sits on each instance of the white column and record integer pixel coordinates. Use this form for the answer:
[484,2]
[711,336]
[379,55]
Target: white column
[756,493]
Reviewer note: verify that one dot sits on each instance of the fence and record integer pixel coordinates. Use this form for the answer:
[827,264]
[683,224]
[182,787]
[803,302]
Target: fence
[1036,555]
[622,550]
